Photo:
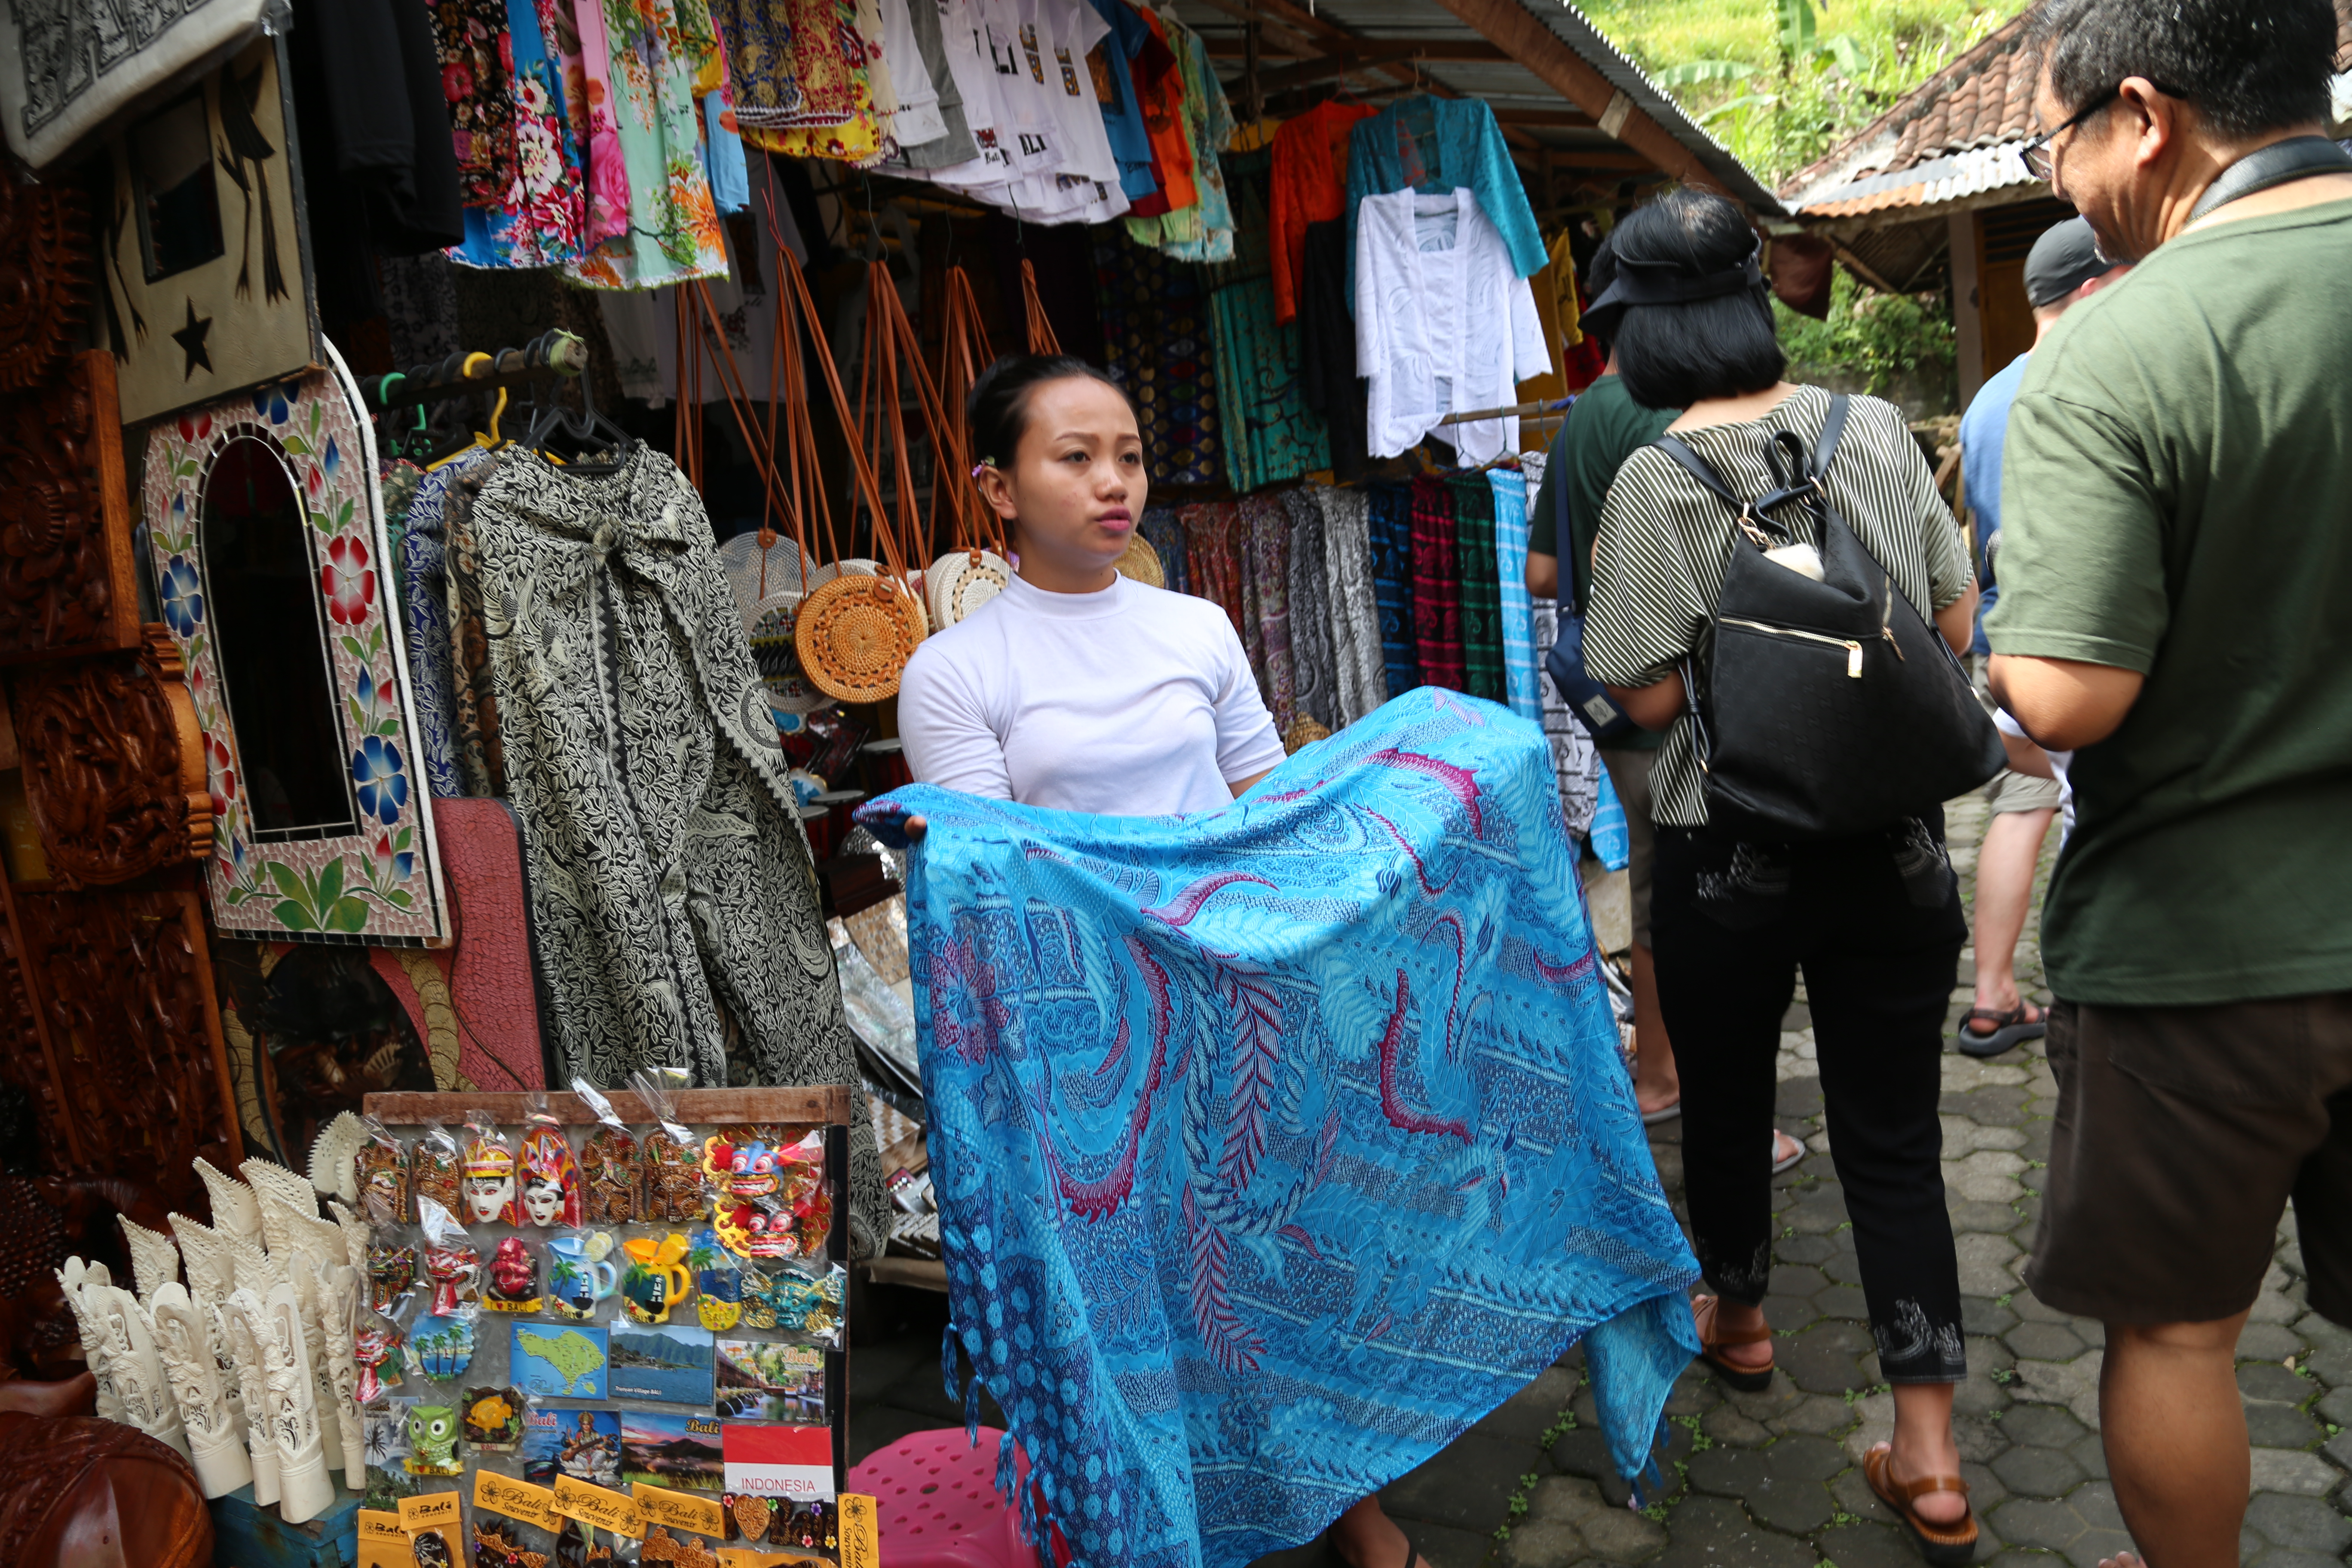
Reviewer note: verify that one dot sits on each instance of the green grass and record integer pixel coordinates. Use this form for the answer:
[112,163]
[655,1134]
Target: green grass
[1891,47]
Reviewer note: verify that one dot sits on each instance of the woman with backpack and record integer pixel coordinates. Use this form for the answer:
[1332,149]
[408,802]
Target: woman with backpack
[1787,553]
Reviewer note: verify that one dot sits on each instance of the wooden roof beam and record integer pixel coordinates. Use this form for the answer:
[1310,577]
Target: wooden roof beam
[1524,38]
[1367,56]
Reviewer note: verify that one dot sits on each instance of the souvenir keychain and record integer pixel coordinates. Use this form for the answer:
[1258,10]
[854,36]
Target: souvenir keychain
[656,1279]
[551,1177]
[489,1174]
[382,1167]
[513,1285]
[436,1169]
[451,1263]
[578,1275]
[391,1272]
[608,1162]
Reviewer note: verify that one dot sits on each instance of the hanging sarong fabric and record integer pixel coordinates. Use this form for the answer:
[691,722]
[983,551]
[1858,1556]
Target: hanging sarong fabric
[1276,1145]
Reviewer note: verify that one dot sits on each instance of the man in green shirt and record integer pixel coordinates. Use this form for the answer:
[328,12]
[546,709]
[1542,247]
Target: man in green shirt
[2177,524]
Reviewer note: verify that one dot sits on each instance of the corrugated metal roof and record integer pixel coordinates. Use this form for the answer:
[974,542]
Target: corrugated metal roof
[1505,83]
[1931,184]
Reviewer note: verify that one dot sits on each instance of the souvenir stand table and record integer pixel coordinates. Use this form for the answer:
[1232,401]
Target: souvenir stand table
[628,1356]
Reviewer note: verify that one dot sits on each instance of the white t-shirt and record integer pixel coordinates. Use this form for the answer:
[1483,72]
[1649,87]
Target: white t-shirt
[1133,701]
[2058,763]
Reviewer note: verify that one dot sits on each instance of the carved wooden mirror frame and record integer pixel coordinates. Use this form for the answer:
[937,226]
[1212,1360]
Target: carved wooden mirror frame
[381,884]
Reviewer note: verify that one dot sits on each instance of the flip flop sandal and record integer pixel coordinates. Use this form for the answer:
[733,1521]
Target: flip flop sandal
[1746,1380]
[1943,1545]
[1786,1161]
[2009,1028]
[1650,1119]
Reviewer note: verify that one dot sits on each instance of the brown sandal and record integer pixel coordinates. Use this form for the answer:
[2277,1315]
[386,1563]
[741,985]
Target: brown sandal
[1746,1380]
[1944,1545]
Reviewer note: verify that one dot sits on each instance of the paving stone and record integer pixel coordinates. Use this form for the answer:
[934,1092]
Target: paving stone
[1813,1249]
[1987,1217]
[2274,1307]
[1868,1546]
[1797,1099]
[1730,1472]
[1525,1415]
[2090,1330]
[2274,1383]
[1694,1392]
[2038,1472]
[2091,1453]
[1842,1265]
[1986,1491]
[2268,1342]
[1621,1535]
[1534,1545]
[1986,1176]
[2305,1524]
[2280,1557]
[2339,1449]
[2034,1310]
[1844,1301]
[2292,1470]
[1853,1495]
[1821,1414]
[1985,1263]
[2281,1426]
[2043,1341]
[1822,1209]
[1709,1532]
[1963,1137]
[1985,1315]
[1466,1485]
[2084,1527]
[1798,1506]
[2042,1426]
[1790,1314]
[1825,1358]
[1564,1499]
[1800,1457]
[1726,1425]
[1998,1105]
[2073,1383]
[1449,1548]
[1581,1453]
[1979,1437]
[1796,1279]
[2337,1408]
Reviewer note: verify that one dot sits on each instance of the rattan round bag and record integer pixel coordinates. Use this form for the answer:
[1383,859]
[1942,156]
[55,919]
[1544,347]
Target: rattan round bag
[962,580]
[1141,562]
[856,634]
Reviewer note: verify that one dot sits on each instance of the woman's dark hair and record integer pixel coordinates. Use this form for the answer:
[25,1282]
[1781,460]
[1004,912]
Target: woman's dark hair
[998,407]
[1674,355]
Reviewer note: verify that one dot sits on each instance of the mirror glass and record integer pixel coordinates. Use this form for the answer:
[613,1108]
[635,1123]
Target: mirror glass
[270,635]
[179,200]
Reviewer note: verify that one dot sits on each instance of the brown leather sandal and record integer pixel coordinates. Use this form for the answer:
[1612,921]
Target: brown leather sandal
[1944,1545]
[1746,1380]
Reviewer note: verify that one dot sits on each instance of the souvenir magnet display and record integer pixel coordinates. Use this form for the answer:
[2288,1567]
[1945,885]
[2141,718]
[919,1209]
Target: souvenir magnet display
[718,1281]
[444,1347]
[490,1175]
[513,1283]
[656,1279]
[391,1272]
[383,1170]
[608,1166]
[437,1170]
[550,1179]
[493,1418]
[579,1274]
[455,1271]
[673,1182]
[376,1350]
[432,1441]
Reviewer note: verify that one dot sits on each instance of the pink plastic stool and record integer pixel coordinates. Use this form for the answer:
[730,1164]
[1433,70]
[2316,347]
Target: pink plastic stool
[935,1495]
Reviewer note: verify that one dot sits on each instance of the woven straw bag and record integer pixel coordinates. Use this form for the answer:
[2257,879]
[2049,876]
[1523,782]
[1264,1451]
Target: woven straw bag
[1141,562]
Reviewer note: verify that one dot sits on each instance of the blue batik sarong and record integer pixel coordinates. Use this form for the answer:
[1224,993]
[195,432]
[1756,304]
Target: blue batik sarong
[1276,1145]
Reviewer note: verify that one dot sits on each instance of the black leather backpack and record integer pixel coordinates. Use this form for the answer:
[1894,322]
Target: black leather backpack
[1831,708]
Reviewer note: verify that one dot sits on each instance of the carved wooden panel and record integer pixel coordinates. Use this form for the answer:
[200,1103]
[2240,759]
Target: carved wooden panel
[114,764]
[27,1061]
[65,582]
[124,987]
[44,260]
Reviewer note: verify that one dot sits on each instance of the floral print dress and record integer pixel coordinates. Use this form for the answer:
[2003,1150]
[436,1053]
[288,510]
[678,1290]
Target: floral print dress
[543,219]
[654,50]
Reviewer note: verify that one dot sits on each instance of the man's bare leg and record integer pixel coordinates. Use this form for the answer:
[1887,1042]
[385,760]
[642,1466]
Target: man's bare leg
[2176,1438]
[1656,1085]
[2005,866]
[1367,1537]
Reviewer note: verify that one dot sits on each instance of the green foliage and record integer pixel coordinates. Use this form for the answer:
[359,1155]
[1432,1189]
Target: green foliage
[1814,70]
[1876,337]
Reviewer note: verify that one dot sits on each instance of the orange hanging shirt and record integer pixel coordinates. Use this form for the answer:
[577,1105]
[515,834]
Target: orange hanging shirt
[1310,185]
[1159,90]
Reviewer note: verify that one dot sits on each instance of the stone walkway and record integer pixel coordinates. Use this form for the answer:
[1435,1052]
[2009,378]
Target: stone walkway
[1773,1480]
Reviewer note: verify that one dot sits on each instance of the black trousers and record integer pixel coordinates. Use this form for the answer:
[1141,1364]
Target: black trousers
[1879,970]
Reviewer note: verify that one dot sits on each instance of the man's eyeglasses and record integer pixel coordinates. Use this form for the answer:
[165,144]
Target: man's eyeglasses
[2036,150]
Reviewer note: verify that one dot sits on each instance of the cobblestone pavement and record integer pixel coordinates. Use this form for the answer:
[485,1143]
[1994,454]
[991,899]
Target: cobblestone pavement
[1774,1481]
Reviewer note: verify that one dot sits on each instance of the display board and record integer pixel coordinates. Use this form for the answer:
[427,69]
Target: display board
[618,1339]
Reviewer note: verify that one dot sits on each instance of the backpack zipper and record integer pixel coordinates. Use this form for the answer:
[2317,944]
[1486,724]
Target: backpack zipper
[1852,649]
[1886,621]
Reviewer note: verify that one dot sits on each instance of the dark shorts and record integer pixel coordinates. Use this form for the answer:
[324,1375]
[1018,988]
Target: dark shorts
[2182,1133]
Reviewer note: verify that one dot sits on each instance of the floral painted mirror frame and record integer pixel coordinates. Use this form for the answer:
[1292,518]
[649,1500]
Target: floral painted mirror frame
[383,884]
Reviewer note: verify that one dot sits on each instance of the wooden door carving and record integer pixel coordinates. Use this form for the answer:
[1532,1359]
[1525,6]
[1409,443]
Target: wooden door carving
[65,582]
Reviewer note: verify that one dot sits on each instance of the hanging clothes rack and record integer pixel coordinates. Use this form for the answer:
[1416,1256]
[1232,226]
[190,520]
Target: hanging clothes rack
[550,356]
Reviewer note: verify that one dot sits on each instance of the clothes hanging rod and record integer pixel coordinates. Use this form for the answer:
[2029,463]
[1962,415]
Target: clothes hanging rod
[1518,410]
[544,358]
